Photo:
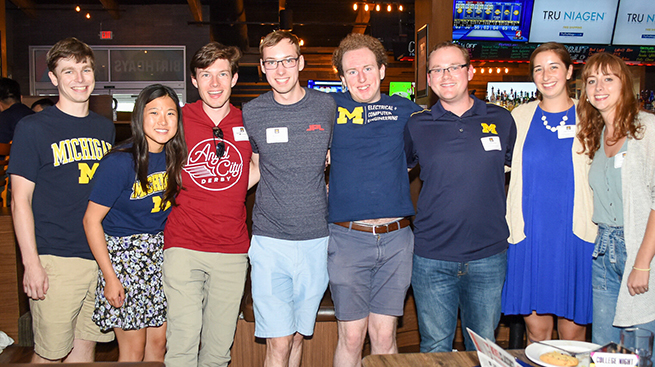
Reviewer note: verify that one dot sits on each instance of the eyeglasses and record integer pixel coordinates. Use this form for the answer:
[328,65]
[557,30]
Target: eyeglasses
[289,62]
[220,146]
[450,69]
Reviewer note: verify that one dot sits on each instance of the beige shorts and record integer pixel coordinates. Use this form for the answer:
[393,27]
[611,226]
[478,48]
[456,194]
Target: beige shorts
[65,313]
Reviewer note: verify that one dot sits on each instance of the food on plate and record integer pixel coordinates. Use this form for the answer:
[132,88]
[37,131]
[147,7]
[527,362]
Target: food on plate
[559,359]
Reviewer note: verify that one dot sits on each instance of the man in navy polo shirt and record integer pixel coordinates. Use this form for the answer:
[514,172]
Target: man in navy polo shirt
[462,145]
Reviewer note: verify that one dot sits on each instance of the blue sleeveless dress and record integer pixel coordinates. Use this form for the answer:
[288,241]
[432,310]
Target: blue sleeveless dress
[550,270]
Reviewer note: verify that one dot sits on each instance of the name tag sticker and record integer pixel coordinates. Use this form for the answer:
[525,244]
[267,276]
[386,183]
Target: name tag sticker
[277,135]
[239,133]
[566,131]
[618,159]
[491,143]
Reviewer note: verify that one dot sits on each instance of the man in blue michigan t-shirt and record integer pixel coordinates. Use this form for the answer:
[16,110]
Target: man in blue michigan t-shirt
[370,246]
[53,158]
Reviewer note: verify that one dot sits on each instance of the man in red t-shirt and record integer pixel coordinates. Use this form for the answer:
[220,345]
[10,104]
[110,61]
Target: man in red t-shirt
[206,238]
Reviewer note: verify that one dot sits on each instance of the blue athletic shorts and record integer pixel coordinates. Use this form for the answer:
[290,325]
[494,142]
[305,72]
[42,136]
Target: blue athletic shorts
[289,279]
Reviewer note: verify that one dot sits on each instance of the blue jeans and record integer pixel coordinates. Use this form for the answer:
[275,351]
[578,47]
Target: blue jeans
[607,273]
[442,287]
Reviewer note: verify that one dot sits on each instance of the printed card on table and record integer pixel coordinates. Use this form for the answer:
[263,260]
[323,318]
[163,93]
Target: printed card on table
[490,354]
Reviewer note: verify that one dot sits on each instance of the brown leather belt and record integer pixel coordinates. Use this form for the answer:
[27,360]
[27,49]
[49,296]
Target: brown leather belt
[382,228]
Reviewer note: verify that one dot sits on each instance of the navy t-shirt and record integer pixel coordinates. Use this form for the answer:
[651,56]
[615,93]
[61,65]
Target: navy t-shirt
[368,173]
[133,210]
[461,208]
[9,119]
[60,154]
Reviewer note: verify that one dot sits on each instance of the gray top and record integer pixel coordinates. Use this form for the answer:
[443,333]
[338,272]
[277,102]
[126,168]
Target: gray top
[605,181]
[292,142]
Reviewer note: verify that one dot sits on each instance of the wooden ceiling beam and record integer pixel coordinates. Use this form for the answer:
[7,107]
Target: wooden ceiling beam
[112,8]
[27,6]
[196,9]
[363,16]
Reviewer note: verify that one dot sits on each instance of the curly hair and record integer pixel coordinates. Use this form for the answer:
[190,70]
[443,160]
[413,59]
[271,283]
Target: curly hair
[355,41]
[591,122]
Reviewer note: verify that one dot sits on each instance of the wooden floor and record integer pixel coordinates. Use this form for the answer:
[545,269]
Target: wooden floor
[105,352]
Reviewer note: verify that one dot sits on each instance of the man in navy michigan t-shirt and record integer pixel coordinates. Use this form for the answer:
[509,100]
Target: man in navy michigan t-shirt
[370,247]
[54,156]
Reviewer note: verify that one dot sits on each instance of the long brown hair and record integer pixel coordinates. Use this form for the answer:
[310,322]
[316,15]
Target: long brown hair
[137,144]
[590,120]
[559,50]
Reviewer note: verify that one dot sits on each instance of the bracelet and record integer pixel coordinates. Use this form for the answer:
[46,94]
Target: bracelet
[640,269]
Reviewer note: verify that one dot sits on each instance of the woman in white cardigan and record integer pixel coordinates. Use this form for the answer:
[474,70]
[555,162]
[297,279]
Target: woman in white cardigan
[621,142]
[549,209]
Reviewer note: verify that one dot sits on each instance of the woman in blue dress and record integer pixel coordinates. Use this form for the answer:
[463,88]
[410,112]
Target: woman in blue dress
[134,189]
[549,209]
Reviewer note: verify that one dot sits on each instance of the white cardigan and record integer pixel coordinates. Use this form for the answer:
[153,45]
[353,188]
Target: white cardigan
[583,202]
[638,188]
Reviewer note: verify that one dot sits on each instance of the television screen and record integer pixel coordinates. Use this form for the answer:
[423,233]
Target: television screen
[327,86]
[635,23]
[403,89]
[503,21]
[573,21]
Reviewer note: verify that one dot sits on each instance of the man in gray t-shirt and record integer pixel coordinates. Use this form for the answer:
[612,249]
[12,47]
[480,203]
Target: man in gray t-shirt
[289,129]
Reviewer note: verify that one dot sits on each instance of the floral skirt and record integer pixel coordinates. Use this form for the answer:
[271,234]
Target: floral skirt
[137,261]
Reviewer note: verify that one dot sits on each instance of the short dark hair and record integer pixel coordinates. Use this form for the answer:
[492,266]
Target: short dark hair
[213,51]
[276,37]
[464,51]
[9,90]
[67,48]
[356,41]
[43,102]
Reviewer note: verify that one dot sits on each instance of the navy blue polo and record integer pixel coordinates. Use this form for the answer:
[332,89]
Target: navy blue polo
[461,207]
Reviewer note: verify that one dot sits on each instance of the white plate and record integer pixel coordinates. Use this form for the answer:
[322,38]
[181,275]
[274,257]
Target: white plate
[534,350]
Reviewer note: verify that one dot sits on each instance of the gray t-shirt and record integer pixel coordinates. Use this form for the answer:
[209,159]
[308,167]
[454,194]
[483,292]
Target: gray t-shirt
[292,142]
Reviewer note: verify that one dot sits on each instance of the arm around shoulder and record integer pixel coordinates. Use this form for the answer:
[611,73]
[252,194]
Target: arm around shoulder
[253,177]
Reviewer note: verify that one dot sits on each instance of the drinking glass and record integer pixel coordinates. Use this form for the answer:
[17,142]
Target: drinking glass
[639,341]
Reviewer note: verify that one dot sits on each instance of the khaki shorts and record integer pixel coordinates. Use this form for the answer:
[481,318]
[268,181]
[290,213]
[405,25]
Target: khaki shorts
[65,313]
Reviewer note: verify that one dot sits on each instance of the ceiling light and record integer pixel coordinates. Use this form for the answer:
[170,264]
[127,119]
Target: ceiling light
[77,8]
[389,8]
[400,7]
[355,6]
[88,15]
[377,7]
[302,42]
[366,7]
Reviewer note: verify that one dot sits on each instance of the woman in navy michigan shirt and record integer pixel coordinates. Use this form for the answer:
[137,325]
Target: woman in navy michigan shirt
[134,189]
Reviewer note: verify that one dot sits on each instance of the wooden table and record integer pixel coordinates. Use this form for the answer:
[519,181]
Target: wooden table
[451,359]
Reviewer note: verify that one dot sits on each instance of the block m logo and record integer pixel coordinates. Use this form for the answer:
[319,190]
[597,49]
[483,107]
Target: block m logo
[355,116]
